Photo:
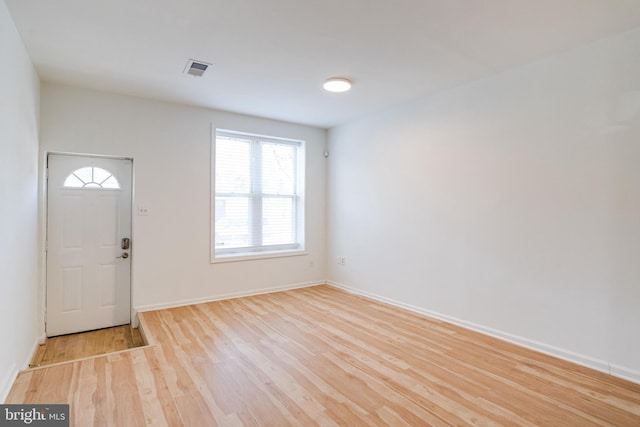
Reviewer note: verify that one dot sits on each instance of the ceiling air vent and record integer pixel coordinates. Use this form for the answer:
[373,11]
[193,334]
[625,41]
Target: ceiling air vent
[196,68]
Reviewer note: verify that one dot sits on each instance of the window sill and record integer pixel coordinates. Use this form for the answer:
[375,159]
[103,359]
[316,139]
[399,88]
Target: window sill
[255,256]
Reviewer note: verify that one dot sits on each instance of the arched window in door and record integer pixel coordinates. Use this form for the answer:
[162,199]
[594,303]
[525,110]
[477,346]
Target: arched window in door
[91,177]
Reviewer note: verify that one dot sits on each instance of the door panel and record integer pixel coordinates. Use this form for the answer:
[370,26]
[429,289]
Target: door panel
[88,285]
[71,289]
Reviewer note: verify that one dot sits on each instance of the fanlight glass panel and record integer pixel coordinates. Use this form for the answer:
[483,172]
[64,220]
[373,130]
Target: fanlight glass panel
[91,177]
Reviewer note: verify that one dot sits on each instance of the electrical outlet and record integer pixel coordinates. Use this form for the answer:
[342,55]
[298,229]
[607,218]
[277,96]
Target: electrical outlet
[143,211]
[341,260]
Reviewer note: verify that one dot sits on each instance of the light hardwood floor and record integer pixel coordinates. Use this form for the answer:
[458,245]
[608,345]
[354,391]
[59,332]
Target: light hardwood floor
[86,344]
[320,356]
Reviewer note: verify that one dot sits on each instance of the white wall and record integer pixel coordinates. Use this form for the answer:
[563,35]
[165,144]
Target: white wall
[171,148]
[511,204]
[19,91]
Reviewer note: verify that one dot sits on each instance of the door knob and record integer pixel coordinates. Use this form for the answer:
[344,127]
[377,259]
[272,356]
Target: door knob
[123,256]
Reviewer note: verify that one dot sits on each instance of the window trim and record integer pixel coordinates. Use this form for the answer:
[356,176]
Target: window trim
[269,251]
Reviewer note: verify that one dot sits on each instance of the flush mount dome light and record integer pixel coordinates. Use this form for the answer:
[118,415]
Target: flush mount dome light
[337,84]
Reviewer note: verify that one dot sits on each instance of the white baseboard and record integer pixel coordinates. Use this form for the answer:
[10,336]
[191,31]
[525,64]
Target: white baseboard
[135,322]
[7,382]
[625,373]
[579,359]
[150,307]
[12,374]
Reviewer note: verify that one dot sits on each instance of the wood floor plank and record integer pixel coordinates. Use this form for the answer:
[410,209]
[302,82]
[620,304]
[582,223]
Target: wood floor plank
[319,356]
[66,348]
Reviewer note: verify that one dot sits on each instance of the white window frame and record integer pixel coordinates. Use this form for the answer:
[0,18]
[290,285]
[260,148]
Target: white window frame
[91,185]
[259,252]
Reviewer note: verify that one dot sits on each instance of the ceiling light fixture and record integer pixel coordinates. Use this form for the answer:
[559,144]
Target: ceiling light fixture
[337,84]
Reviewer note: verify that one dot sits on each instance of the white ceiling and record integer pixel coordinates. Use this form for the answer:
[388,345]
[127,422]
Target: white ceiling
[270,57]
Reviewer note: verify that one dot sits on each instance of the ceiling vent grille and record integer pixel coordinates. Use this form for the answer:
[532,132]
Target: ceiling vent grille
[196,68]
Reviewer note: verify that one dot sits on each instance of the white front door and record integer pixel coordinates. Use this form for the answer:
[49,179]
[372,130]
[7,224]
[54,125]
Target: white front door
[88,246]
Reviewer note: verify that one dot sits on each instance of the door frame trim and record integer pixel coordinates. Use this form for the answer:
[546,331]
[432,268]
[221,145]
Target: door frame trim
[43,215]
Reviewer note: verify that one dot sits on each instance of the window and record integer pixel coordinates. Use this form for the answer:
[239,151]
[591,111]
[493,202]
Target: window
[258,201]
[91,177]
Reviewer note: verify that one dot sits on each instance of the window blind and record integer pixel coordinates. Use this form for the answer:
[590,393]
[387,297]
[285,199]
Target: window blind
[257,194]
